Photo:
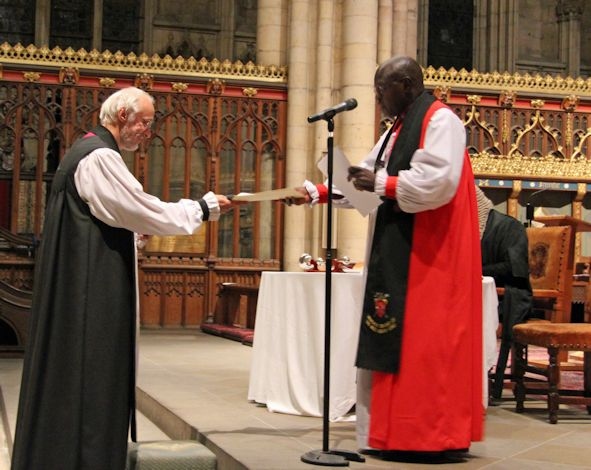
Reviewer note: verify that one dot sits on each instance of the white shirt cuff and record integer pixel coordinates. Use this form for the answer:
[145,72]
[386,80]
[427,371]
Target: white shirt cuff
[312,191]
[212,205]
[380,182]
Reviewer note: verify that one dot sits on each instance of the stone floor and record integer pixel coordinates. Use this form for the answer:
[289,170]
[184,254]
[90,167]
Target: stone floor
[194,386]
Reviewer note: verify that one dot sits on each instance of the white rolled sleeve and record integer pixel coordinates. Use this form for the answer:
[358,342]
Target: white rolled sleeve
[118,199]
[435,170]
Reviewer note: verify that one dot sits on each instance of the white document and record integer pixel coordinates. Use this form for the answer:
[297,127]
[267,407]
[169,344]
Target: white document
[363,201]
[271,195]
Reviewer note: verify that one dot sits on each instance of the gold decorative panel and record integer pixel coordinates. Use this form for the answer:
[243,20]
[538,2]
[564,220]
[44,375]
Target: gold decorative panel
[528,83]
[526,134]
[132,63]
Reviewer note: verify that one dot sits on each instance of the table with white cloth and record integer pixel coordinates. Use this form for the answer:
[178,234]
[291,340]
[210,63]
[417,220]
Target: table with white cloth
[287,369]
[490,324]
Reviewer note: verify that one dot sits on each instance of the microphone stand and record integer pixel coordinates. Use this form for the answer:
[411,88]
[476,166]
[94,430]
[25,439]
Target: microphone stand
[329,457]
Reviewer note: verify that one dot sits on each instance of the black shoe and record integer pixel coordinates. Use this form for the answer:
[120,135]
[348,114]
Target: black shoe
[372,452]
[442,457]
[459,451]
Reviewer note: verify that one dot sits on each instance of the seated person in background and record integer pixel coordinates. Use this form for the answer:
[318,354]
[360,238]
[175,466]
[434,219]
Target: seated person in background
[505,258]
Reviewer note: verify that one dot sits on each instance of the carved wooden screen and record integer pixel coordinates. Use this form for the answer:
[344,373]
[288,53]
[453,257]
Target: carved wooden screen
[250,161]
[200,142]
[209,134]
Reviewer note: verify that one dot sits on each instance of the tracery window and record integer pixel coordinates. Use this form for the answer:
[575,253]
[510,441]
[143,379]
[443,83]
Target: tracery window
[70,24]
[450,34]
[17,24]
[121,25]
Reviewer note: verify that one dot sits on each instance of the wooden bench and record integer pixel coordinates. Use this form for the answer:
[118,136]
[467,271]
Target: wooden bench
[235,312]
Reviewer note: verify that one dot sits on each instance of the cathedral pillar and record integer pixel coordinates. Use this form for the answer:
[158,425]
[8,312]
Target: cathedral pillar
[97,25]
[405,27]
[357,128]
[385,32]
[272,32]
[299,155]
[42,20]
[495,44]
[327,92]
[569,14]
[331,58]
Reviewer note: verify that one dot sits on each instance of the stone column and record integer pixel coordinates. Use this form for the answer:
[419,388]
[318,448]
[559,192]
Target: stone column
[569,14]
[385,32]
[227,26]
[298,225]
[42,20]
[147,37]
[272,32]
[97,26]
[326,93]
[481,24]
[331,58]
[423,32]
[356,129]
[508,17]
[405,27]
[495,46]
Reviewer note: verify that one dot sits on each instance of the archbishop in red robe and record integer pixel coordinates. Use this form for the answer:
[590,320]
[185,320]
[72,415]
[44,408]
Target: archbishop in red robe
[420,344]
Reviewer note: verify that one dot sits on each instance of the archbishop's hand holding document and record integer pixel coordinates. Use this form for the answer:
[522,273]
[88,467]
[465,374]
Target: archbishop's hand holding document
[363,201]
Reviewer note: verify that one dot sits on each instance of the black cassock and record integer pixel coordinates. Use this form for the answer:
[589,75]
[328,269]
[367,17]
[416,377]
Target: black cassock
[505,258]
[77,388]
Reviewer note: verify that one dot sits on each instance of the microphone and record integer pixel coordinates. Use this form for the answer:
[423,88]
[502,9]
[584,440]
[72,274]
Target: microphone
[329,113]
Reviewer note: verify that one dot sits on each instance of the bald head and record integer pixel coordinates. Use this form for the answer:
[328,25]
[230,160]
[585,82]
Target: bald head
[402,77]
[401,66]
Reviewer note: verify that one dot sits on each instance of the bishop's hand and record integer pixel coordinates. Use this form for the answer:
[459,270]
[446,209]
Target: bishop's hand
[362,178]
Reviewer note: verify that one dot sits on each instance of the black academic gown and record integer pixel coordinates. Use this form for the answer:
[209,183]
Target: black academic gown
[505,258]
[77,387]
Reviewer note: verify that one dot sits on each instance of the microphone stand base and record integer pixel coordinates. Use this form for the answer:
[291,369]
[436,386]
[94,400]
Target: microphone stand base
[332,458]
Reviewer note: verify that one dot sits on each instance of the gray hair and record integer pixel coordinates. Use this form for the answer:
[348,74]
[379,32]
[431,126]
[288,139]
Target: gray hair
[126,98]
[484,206]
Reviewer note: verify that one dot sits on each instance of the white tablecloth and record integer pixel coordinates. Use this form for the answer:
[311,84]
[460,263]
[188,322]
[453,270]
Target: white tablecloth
[490,324]
[287,369]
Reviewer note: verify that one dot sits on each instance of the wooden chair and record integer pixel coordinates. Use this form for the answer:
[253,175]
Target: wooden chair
[549,272]
[550,278]
[587,307]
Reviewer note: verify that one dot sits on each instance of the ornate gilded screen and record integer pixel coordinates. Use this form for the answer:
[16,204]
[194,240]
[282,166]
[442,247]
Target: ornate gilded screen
[529,139]
[209,134]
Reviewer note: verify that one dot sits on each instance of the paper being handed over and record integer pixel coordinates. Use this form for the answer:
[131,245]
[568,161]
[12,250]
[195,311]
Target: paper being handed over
[270,195]
[363,201]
